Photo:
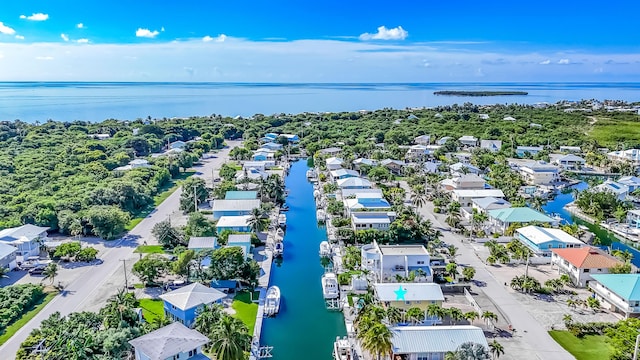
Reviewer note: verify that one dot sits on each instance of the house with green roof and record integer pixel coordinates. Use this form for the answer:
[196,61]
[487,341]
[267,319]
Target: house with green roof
[618,292]
[501,219]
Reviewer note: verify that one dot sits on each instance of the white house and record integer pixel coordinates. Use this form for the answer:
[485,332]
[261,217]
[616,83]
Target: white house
[343,174]
[371,220]
[465,197]
[464,168]
[630,155]
[234,207]
[174,341]
[468,140]
[352,192]
[422,140]
[432,342]
[581,263]
[260,165]
[631,182]
[483,116]
[618,292]
[8,256]
[334,163]
[633,219]
[134,164]
[387,261]
[569,161]
[531,150]
[464,182]
[570,149]
[619,190]
[539,173]
[239,223]
[26,238]
[252,174]
[331,151]
[353,183]
[443,140]
[489,203]
[491,145]
[357,163]
[416,151]
[366,202]
[509,118]
[542,240]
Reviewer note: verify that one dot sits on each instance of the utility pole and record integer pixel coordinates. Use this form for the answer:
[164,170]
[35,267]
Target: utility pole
[635,349]
[124,267]
[195,198]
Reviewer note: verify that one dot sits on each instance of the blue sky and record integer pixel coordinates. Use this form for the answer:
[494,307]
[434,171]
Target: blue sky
[329,41]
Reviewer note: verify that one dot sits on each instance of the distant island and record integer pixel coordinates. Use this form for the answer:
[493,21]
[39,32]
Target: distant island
[479,93]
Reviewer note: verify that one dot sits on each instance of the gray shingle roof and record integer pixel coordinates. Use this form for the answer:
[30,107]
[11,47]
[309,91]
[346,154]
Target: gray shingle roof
[168,341]
[193,295]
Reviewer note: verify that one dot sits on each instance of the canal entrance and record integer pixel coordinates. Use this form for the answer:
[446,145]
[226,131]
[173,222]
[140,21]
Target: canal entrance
[607,238]
[304,328]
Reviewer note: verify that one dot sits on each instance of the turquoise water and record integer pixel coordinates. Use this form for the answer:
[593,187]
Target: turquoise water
[303,329]
[606,237]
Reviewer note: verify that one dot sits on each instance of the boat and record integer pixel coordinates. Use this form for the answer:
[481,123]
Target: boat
[282,220]
[311,173]
[278,249]
[272,302]
[284,207]
[330,288]
[280,234]
[342,349]
[325,249]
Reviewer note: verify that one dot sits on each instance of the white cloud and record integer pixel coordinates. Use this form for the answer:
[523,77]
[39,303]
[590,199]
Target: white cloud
[19,37]
[207,38]
[219,38]
[35,17]
[564,61]
[82,41]
[397,33]
[4,29]
[44,57]
[146,33]
[80,26]
[545,62]
[64,37]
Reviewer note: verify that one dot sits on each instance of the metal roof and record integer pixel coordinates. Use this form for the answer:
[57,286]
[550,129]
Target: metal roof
[403,250]
[539,235]
[241,195]
[230,221]
[168,341]
[231,205]
[29,231]
[207,242]
[519,215]
[434,339]
[6,250]
[626,286]
[369,217]
[193,295]
[353,181]
[478,193]
[408,292]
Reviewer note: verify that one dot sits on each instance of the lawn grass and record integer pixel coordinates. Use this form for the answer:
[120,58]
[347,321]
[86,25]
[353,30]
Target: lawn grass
[610,132]
[16,325]
[149,249]
[246,310]
[151,309]
[588,348]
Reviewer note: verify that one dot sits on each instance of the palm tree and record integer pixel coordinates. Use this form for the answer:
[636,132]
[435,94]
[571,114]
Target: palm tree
[257,222]
[418,199]
[50,272]
[471,350]
[471,316]
[394,315]
[377,340]
[496,349]
[230,339]
[455,315]
[207,318]
[567,319]
[488,315]
[415,315]
[3,272]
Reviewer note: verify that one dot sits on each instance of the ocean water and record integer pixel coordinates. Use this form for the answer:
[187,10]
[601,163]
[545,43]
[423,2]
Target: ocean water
[97,101]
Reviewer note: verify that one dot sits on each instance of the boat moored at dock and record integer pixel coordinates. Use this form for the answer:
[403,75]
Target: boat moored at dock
[330,289]
[342,349]
[282,220]
[272,302]
[325,249]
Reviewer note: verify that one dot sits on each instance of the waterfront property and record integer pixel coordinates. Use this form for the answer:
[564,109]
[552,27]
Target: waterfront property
[466,197]
[234,207]
[371,220]
[633,219]
[26,238]
[542,240]
[581,263]
[352,192]
[632,182]
[334,163]
[618,292]
[263,154]
[354,183]
[483,205]
[366,202]
[242,241]
[234,223]
[252,174]
[469,181]
[181,305]
[259,165]
[408,295]
[341,174]
[7,256]
[432,342]
[539,173]
[241,195]
[620,191]
[174,341]
[569,161]
[359,162]
[501,219]
[387,261]
[630,155]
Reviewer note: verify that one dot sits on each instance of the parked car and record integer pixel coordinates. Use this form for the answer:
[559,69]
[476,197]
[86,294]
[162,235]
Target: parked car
[36,270]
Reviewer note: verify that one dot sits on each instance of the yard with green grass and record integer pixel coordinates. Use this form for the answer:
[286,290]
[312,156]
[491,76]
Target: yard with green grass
[610,132]
[13,328]
[245,309]
[149,249]
[588,348]
[151,309]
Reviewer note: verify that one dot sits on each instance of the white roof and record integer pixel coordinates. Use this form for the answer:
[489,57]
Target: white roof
[539,235]
[342,172]
[365,161]
[193,295]
[238,239]
[479,193]
[348,192]
[497,144]
[168,341]
[570,157]
[6,250]
[629,180]
[25,231]
[202,242]
[232,221]
[403,250]
[334,161]
[422,137]
[369,217]
[434,339]
[241,205]
[412,292]
[353,181]
[468,138]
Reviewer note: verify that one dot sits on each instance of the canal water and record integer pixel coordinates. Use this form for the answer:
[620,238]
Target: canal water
[607,238]
[304,328]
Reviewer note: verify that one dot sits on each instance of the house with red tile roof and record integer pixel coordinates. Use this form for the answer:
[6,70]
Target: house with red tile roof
[581,263]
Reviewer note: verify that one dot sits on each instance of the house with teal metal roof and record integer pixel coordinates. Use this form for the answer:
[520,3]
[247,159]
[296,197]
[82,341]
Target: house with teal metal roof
[618,292]
[241,195]
[501,219]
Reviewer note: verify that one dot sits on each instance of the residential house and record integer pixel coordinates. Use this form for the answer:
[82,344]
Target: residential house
[241,195]
[461,168]
[269,137]
[174,341]
[234,223]
[501,219]
[483,116]
[569,161]
[570,149]
[581,263]
[539,173]
[134,164]
[202,243]
[354,183]
[485,204]
[334,163]
[177,145]
[252,174]
[462,157]
[631,182]
[395,166]
[352,192]
[491,145]
[259,165]
[371,220]
[100,136]
[359,162]
[408,295]
[292,138]
[618,292]
[182,305]
[444,140]
[633,219]
[422,140]
[432,342]
[468,141]
[26,238]
[234,207]
[8,256]
[522,151]
[272,146]
[331,151]
[242,241]
[416,151]
[630,155]
[509,118]
[366,202]
[343,174]
[465,197]
[387,261]
[263,154]
[431,167]
[464,182]
[620,191]
[542,240]
[431,150]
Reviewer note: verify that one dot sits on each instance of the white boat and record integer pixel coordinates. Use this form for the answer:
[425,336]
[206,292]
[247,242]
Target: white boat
[342,349]
[279,234]
[282,220]
[325,249]
[320,215]
[272,302]
[330,288]
[311,173]
[278,249]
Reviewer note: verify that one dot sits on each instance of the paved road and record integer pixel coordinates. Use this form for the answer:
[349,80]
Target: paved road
[98,283]
[536,342]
